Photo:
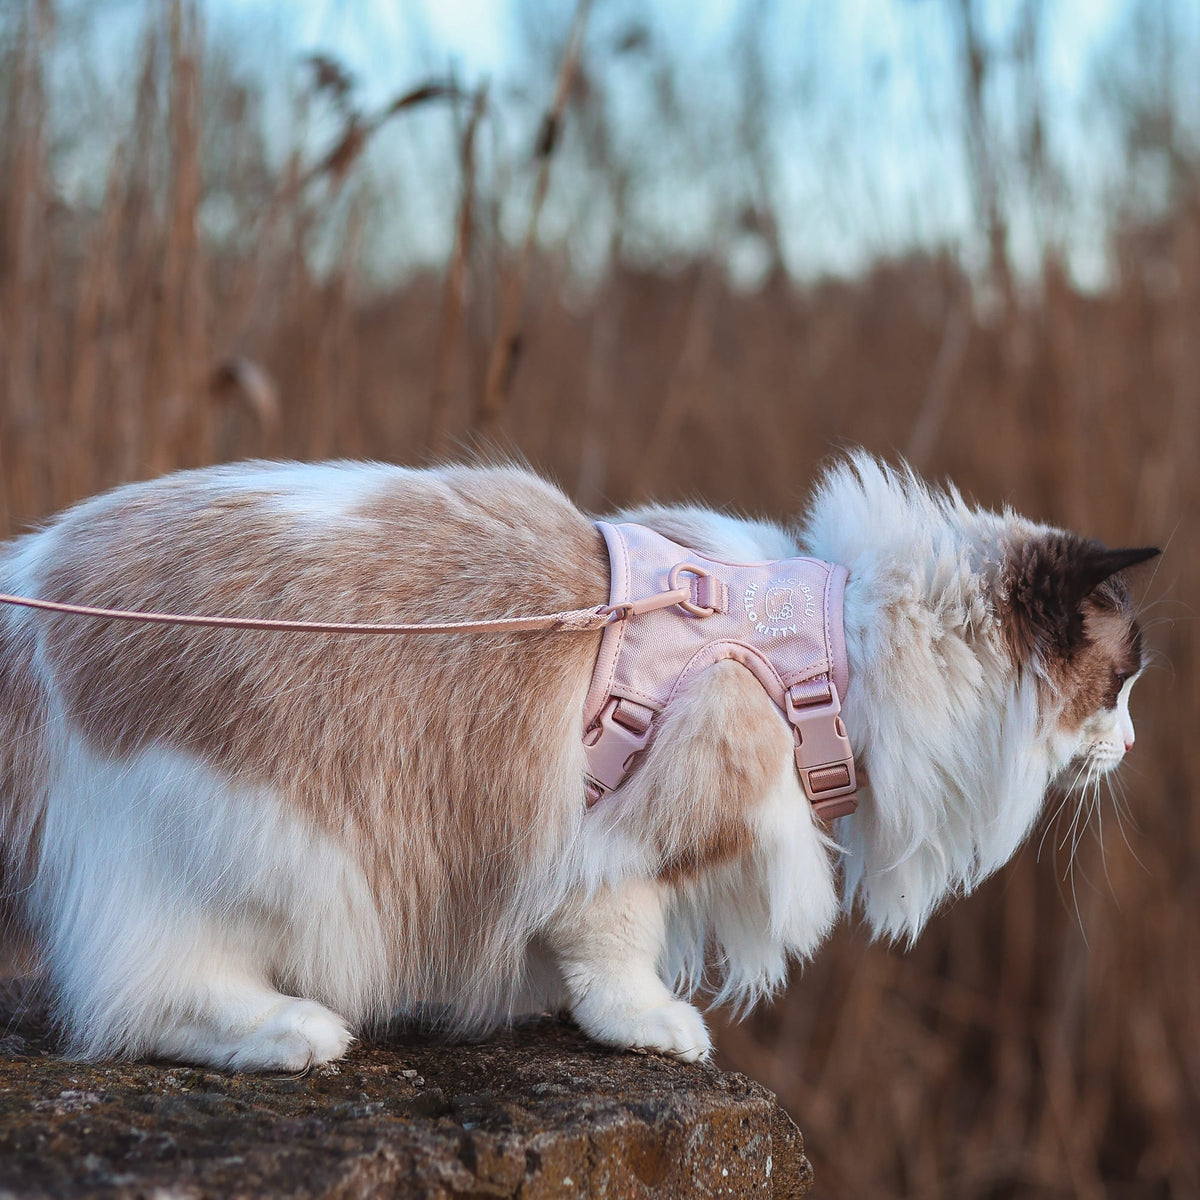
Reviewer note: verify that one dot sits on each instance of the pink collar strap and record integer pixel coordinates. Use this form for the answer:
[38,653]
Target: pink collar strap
[781,620]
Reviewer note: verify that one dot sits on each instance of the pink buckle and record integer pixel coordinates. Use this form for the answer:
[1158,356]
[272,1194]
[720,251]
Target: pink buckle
[622,730]
[823,755]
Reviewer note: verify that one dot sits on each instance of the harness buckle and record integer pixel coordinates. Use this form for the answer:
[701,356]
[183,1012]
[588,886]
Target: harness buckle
[621,731]
[823,755]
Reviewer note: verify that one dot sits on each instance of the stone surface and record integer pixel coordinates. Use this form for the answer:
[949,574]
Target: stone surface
[533,1113]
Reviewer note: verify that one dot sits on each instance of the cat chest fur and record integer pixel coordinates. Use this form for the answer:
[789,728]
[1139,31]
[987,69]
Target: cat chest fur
[782,620]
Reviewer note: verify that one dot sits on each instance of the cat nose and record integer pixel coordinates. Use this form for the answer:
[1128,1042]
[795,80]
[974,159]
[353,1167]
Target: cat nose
[1129,743]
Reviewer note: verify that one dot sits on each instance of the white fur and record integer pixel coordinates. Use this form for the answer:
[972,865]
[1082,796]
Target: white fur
[316,493]
[959,755]
[608,950]
[735,930]
[170,904]
[1108,734]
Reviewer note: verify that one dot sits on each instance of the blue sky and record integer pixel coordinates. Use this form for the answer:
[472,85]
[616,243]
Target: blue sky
[374,35]
[866,146]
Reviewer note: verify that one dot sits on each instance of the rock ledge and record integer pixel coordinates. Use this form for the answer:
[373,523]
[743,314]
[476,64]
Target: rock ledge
[533,1113]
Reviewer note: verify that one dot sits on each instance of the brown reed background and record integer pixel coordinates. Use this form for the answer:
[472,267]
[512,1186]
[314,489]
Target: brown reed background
[1043,1038]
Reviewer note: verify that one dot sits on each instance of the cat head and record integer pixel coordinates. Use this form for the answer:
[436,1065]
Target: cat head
[990,657]
[1067,615]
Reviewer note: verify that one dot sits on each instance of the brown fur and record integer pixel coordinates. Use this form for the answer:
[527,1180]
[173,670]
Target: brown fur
[1109,651]
[720,747]
[417,751]
[23,768]
[23,753]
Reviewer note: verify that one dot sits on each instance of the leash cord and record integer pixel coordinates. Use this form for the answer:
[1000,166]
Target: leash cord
[575,620]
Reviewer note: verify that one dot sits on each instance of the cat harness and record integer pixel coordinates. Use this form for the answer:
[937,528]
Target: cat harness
[781,620]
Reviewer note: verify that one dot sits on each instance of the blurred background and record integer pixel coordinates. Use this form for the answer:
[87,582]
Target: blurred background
[676,249]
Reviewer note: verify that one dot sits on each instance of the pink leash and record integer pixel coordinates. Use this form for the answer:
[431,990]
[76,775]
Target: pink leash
[575,620]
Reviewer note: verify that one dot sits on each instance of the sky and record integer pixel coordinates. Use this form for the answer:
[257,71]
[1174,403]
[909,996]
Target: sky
[374,35]
[874,164]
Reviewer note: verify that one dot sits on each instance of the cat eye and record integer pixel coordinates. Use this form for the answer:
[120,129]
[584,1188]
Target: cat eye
[1117,682]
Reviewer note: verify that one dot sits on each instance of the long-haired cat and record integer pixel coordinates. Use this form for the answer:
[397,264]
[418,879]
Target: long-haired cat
[235,847]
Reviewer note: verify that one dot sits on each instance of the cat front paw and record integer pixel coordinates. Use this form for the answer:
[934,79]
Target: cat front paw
[296,1036]
[674,1028]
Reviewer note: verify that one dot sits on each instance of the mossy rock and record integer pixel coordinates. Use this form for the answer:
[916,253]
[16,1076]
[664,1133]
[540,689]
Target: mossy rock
[538,1111]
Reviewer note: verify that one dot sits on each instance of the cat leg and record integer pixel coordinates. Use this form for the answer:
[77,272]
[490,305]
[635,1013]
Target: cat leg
[169,903]
[608,952]
[182,989]
[244,1025]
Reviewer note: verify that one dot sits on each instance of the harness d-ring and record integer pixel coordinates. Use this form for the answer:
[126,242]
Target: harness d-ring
[673,582]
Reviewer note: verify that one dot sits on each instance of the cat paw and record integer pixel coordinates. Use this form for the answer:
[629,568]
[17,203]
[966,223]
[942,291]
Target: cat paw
[635,1022]
[674,1028]
[294,1037]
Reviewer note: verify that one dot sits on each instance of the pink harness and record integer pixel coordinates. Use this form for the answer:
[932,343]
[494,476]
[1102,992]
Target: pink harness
[782,620]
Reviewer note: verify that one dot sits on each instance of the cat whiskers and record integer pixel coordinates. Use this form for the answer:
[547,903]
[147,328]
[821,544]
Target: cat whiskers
[1122,808]
[1067,792]
[1098,804]
[1083,789]
[1082,809]
[1088,797]
[1087,790]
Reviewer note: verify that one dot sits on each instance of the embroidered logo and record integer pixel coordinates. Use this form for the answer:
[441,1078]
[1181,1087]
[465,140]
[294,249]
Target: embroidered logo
[779,602]
[782,605]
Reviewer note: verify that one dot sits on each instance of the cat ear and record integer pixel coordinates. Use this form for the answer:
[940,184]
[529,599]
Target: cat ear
[1046,581]
[1106,563]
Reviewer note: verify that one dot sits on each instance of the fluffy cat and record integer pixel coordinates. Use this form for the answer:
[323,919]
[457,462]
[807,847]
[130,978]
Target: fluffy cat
[235,848]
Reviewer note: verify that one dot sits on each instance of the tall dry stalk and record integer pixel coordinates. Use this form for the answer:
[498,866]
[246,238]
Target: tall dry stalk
[507,342]
[180,429]
[26,203]
[456,279]
[942,379]
[686,378]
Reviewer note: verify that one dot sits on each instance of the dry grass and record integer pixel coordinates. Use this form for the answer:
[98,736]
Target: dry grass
[1042,1038]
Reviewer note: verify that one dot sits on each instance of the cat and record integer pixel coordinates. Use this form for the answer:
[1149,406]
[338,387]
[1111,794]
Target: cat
[240,848]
